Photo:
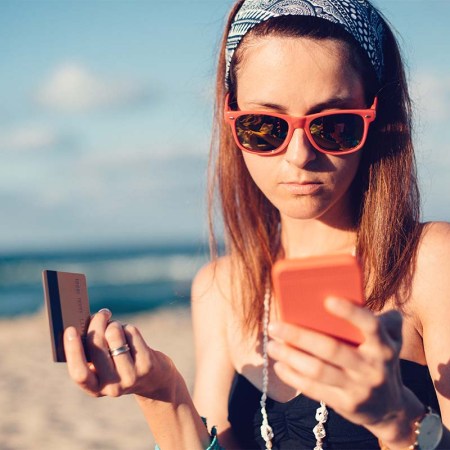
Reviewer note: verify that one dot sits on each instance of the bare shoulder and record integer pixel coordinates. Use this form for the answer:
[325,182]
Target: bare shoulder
[212,281]
[435,242]
[211,293]
[431,278]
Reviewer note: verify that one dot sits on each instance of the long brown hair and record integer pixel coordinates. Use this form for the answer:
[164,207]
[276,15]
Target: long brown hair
[385,193]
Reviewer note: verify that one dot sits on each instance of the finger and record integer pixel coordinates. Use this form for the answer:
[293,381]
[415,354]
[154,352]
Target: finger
[149,364]
[392,322]
[102,316]
[307,386]
[360,317]
[378,342]
[77,366]
[98,347]
[116,339]
[124,363]
[387,325]
[318,344]
[307,365]
[140,351]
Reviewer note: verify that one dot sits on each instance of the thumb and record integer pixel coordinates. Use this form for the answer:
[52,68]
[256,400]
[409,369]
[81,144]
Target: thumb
[392,324]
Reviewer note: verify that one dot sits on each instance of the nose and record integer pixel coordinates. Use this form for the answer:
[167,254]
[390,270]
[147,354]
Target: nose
[299,151]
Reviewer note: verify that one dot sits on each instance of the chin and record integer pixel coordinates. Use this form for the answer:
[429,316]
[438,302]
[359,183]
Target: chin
[302,213]
[325,207]
[303,208]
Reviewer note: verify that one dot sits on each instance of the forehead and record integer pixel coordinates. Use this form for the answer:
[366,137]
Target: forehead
[296,70]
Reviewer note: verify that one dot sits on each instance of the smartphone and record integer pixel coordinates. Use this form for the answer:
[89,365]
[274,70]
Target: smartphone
[301,286]
[67,303]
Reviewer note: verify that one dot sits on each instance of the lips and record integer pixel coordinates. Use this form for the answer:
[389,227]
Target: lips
[301,188]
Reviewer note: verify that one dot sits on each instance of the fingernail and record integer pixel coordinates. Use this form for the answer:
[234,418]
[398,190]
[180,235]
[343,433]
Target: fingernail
[71,333]
[106,311]
[332,303]
[273,328]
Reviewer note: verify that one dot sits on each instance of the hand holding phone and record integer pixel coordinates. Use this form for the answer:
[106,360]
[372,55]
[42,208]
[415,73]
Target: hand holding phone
[302,285]
[67,303]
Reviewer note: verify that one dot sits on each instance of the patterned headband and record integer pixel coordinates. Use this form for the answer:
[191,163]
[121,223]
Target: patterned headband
[358,17]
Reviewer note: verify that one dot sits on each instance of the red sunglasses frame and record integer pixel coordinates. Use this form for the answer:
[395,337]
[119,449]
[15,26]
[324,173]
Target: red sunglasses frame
[368,116]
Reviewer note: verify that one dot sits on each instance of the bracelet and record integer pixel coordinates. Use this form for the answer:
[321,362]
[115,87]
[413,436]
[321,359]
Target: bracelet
[417,422]
[415,445]
[430,424]
[214,444]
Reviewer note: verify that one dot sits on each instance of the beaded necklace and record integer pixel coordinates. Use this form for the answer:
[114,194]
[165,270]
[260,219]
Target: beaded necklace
[266,430]
[321,413]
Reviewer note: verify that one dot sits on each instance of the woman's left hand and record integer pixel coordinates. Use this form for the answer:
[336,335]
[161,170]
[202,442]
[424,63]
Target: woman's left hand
[363,384]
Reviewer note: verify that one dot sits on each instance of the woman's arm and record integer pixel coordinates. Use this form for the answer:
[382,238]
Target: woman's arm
[214,370]
[150,375]
[432,296]
[364,384]
[431,305]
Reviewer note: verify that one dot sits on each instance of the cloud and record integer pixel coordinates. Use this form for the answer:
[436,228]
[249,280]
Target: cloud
[431,91]
[73,87]
[86,199]
[29,137]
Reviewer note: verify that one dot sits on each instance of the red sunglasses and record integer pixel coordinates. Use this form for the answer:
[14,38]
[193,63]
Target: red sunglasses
[336,132]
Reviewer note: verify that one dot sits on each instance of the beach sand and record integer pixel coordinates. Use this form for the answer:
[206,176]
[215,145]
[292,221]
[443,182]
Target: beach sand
[41,408]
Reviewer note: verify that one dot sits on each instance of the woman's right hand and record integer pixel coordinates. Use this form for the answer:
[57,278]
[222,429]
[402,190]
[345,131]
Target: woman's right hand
[140,370]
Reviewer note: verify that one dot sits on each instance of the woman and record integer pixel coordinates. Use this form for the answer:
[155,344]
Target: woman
[340,180]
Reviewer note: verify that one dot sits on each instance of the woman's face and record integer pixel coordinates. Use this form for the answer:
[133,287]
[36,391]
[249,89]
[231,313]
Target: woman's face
[300,76]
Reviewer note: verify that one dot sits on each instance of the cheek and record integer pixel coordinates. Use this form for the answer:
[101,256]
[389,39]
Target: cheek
[345,170]
[262,169]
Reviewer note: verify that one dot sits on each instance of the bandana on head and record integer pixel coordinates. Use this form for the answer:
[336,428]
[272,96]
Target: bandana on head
[358,17]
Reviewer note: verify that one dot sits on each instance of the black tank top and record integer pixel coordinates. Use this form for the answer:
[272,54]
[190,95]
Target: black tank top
[294,420]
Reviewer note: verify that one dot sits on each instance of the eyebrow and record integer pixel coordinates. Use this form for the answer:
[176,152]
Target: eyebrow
[336,102]
[332,103]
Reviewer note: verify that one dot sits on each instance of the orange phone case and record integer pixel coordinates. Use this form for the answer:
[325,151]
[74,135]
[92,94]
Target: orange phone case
[301,285]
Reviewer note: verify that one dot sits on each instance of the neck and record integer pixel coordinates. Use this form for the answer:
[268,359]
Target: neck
[302,238]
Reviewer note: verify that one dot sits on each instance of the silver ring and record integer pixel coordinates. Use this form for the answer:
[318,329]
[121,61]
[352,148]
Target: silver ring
[119,350]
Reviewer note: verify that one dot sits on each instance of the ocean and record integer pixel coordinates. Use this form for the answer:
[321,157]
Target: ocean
[125,280]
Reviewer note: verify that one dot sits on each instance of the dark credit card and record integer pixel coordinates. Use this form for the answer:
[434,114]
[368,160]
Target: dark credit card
[67,303]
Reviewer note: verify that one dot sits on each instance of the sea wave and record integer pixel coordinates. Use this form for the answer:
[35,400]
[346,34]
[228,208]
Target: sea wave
[122,279]
[115,270]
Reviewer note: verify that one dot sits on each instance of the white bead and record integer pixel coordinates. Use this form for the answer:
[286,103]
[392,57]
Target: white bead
[321,414]
[266,432]
[319,431]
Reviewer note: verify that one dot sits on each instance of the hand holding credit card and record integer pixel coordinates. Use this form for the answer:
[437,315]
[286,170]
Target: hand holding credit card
[67,303]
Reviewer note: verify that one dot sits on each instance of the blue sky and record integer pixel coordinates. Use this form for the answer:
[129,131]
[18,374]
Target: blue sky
[105,116]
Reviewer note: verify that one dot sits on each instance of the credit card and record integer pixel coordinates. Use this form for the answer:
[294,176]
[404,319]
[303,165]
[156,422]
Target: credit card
[67,303]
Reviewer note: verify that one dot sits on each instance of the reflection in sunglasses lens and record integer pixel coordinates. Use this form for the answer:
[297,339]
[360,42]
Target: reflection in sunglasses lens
[334,133]
[260,132]
[337,132]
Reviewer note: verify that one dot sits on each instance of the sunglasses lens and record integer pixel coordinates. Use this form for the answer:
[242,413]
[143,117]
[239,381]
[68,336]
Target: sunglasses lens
[337,132]
[260,132]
